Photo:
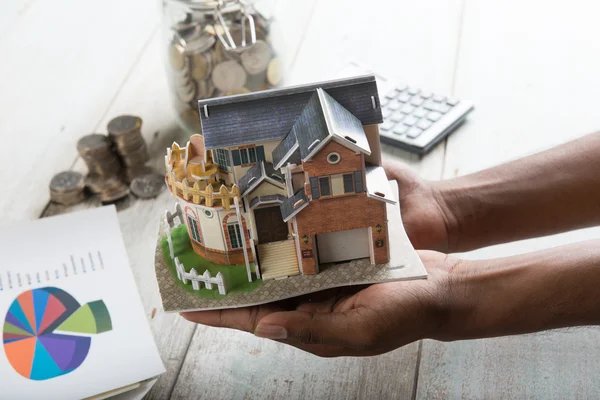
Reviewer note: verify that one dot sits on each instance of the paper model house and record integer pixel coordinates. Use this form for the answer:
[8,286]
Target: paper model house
[289,179]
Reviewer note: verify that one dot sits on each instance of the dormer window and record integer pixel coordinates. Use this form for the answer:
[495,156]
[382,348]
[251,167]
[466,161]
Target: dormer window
[333,158]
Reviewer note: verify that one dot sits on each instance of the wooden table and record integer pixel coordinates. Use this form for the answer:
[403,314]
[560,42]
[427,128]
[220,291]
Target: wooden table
[532,69]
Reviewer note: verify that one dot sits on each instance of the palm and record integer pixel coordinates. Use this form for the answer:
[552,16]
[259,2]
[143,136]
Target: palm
[375,317]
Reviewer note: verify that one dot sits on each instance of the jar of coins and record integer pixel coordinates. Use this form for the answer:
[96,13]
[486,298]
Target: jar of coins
[218,48]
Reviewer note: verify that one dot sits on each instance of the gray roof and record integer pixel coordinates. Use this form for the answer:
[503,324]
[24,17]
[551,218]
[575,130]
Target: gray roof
[323,119]
[288,211]
[378,186]
[270,115]
[258,173]
[269,199]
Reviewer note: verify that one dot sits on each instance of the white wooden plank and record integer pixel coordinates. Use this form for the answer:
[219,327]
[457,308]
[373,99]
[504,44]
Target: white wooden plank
[531,69]
[63,62]
[404,41]
[230,364]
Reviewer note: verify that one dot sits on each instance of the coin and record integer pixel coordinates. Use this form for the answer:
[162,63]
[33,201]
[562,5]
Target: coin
[176,56]
[199,44]
[201,65]
[274,71]
[124,124]
[239,91]
[148,186]
[228,76]
[114,190]
[67,188]
[186,93]
[256,58]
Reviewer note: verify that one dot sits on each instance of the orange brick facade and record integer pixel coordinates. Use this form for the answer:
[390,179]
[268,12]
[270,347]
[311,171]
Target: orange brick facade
[339,213]
[232,257]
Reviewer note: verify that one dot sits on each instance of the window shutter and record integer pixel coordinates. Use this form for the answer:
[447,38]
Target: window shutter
[235,154]
[314,187]
[260,153]
[358,182]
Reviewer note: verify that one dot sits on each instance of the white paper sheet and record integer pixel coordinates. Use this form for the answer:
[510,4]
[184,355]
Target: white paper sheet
[81,254]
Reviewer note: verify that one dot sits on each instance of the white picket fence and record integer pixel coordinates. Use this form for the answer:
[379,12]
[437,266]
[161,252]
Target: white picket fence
[193,275]
[205,278]
[170,224]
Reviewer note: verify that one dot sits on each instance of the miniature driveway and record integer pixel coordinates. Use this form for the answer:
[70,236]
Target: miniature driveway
[520,63]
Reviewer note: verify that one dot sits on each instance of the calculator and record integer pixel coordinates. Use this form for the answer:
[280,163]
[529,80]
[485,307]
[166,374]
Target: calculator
[416,120]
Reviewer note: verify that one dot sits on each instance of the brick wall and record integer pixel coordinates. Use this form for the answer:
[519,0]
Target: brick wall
[339,214]
[319,165]
[235,257]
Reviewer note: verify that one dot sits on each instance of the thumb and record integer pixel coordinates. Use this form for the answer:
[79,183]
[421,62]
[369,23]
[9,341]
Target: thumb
[338,329]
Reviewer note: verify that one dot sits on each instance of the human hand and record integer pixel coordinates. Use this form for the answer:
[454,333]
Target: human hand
[426,217]
[350,321]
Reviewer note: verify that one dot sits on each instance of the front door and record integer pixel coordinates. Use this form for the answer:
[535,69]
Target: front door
[269,225]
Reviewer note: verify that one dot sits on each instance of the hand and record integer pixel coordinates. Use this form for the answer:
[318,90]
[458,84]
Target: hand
[425,216]
[351,321]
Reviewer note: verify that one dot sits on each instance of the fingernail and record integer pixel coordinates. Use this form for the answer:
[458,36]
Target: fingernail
[270,331]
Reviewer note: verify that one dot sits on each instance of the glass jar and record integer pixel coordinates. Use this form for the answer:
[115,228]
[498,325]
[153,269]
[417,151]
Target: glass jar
[218,48]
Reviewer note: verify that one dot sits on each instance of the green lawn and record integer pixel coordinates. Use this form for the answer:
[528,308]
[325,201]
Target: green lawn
[235,275]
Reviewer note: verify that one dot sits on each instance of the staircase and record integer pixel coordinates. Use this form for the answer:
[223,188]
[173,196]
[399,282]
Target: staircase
[278,259]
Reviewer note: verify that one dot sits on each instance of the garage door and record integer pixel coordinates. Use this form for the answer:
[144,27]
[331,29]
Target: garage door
[343,246]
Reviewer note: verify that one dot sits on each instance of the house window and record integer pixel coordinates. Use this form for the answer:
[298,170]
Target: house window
[235,237]
[208,213]
[324,187]
[348,183]
[193,224]
[221,158]
[333,158]
[248,155]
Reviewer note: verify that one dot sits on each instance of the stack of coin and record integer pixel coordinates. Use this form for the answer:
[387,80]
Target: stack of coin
[102,162]
[114,189]
[67,188]
[203,63]
[125,133]
[148,186]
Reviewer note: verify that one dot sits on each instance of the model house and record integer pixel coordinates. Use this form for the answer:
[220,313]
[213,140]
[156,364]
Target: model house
[288,179]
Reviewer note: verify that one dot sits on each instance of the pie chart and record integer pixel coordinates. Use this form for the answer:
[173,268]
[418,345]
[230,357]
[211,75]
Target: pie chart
[47,333]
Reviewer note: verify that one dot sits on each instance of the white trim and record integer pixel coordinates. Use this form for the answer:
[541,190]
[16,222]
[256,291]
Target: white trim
[243,235]
[328,111]
[374,196]
[318,148]
[287,155]
[371,249]
[336,154]
[348,144]
[298,251]
[296,211]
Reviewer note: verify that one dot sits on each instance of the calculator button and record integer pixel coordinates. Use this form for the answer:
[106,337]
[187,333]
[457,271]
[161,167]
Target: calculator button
[434,116]
[400,129]
[407,109]
[425,95]
[429,105]
[383,102]
[420,112]
[387,125]
[391,94]
[401,88]
[443,108]
[394,105]
[386,113]
[397,116]
[410,120]
[438,98]
[424,124]
[452,102]
[404,98]
[413,91]
[416,101]
[414,132]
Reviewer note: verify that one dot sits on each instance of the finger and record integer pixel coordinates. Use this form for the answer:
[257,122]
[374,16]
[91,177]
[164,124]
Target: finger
[244,319]
[349,329]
